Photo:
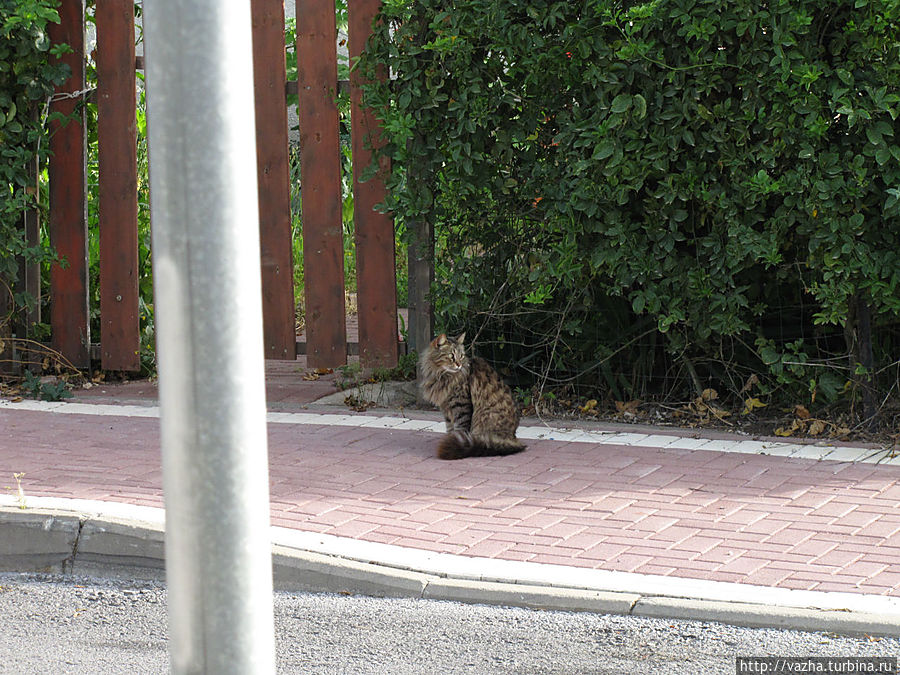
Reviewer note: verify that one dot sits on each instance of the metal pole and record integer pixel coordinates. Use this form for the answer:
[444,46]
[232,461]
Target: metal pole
[206,274]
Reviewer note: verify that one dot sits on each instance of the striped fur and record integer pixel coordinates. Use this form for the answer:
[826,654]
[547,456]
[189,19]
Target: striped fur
[478,407]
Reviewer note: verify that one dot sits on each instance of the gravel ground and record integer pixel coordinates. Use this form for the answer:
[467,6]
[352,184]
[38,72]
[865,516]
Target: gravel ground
[56,625]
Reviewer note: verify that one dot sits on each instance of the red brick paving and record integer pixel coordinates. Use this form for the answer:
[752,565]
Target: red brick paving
[698,514]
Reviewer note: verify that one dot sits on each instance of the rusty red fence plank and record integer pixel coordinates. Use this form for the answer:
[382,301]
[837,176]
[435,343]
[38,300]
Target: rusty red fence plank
[375,273]
[269,76]
[320,174]
[321,192]
[120,339]
[68,223]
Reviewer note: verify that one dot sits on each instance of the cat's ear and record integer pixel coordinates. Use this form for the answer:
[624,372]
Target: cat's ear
[440,340]
[461,339]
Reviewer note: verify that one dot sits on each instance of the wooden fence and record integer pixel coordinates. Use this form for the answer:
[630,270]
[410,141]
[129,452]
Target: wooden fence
[326,344]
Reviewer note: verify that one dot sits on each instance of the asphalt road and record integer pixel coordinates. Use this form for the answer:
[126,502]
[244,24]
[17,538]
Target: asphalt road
[52,625]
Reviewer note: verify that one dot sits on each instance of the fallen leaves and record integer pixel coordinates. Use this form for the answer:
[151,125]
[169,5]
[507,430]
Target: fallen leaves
[625,409]
[752,404]
[357,404]
[750,409]
[704,408]
[629,409]
[804,424]
[590,406]
[314,375]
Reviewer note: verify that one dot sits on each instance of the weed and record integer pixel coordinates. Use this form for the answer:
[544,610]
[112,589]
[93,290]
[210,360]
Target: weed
[43,389]
[404,370]
[20,493]
[350,376]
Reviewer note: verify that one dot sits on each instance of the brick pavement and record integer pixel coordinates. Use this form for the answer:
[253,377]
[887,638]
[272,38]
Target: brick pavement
[782,522]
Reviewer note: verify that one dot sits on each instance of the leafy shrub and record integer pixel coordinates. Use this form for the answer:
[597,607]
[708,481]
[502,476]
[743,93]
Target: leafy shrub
[27,80]
[686,188]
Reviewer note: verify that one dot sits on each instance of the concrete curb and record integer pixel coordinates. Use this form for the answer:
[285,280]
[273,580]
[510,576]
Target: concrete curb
[112,539]
[39,539]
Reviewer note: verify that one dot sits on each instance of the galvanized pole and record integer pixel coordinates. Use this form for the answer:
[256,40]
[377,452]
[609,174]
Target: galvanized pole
[206,274]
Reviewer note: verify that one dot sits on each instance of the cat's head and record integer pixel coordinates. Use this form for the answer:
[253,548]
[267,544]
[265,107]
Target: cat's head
[448,353]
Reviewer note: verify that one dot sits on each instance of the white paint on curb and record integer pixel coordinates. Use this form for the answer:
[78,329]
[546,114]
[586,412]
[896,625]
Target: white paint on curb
[560,576]
[89,508]
[547,433]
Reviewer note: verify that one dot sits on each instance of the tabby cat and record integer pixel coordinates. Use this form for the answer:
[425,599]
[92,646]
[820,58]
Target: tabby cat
[479,408]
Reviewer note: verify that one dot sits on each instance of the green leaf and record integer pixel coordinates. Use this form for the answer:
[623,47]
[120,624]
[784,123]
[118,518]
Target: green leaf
[874,135]
[621,103]
[604,149]
[884,128]
[640,106]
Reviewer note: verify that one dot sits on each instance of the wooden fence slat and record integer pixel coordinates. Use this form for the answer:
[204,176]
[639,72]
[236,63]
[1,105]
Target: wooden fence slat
[269,76]
[120,339]
[375,274]
[68,222]
[320,169]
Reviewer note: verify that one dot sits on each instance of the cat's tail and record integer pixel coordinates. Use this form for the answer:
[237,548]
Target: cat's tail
[459,444]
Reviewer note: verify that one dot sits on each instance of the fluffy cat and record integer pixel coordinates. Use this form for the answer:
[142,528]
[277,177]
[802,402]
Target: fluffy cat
[479,408]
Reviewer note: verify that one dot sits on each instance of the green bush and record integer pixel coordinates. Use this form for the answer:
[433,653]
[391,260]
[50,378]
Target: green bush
[689,188]
[27,80]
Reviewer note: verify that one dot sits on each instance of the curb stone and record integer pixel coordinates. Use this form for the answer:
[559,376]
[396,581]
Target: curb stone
[121,543]
[66,541]
[306,571]
[534,597]
[765,616]
[38,540]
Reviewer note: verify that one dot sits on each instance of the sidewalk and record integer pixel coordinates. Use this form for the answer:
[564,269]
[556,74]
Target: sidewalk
[665,522]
